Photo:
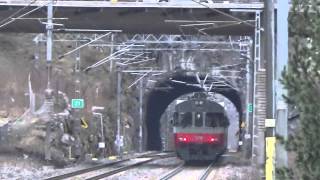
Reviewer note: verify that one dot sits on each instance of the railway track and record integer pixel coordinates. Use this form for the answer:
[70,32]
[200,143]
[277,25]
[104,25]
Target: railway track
[184,167]
[174,172]
[103,172]
[206,173]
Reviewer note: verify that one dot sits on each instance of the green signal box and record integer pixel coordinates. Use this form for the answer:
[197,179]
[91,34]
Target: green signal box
[250,108]
[77,103]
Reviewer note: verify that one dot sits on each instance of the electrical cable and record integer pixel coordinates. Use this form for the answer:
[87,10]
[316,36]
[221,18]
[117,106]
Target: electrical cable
[225,14]
[17,12]
[27,13]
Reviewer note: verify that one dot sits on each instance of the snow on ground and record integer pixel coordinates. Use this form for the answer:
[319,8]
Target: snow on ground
[20,166]
[16,166]
[232,172]
[157,169]
[153,170]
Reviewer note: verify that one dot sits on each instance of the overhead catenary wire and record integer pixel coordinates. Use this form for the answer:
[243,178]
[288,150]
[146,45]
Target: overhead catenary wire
[222,26]
[134,57]
[108,58]
[25,14]
[17,12]
[181,28]
[135,82]
[201,31]
[104,60]
[168,14]
[139,62]
[228,65]
[112,57]
[85,30]
[70,52]
[223,13]
[206,23]
[198,29]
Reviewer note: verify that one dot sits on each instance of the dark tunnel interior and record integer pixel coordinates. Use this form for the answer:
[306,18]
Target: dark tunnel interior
[166,91]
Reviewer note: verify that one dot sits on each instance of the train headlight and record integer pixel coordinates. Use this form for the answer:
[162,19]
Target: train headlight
[199,103]
[182,139]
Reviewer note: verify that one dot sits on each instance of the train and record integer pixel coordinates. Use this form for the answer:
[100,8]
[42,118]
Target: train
[200,128]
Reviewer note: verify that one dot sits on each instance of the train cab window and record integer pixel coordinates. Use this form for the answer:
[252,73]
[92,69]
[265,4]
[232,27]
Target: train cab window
[212,120]
[224,121]
[186,119]
[198,120]
[175,118]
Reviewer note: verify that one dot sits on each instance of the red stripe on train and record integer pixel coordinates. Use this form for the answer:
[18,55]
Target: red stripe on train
[199,138]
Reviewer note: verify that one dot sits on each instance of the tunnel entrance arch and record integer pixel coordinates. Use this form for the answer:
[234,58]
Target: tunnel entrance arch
[172,87]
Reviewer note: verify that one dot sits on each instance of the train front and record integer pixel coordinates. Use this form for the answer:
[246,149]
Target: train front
[200,129]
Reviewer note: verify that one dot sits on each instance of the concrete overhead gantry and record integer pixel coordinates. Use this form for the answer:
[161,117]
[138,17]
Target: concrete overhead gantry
[173,17]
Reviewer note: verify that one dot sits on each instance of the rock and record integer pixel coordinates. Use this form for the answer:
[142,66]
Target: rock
[67,139]
[25,156]
[47,168]
[4,114]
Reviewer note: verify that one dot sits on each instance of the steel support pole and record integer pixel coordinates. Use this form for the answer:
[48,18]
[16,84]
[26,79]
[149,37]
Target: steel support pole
[49,28]
[102,135]
[111,51]
[37,51]
[77,112]
[257,42]
[48,91]
[141,116]
[255,141]
[77,73]
[269,56]
[170,62]
[249,112]
[101,128]
[247,93]
[282,61]
[118,138]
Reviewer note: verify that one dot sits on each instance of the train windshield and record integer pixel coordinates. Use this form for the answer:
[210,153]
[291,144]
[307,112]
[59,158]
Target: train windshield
[186,119]
[213,119]
[198,119]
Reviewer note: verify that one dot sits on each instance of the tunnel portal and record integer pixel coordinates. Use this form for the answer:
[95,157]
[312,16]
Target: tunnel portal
[172,87]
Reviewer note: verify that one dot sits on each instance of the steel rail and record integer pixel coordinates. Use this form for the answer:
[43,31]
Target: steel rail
[206,173]
[174,172]
[95,168]
[83,171]
[127,167]
[121,169]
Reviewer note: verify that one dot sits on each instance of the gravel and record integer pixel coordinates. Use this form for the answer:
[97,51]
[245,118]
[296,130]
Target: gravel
[20,166]
[231,172]
[151,170]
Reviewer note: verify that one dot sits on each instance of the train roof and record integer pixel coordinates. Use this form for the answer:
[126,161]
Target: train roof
[193,105]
